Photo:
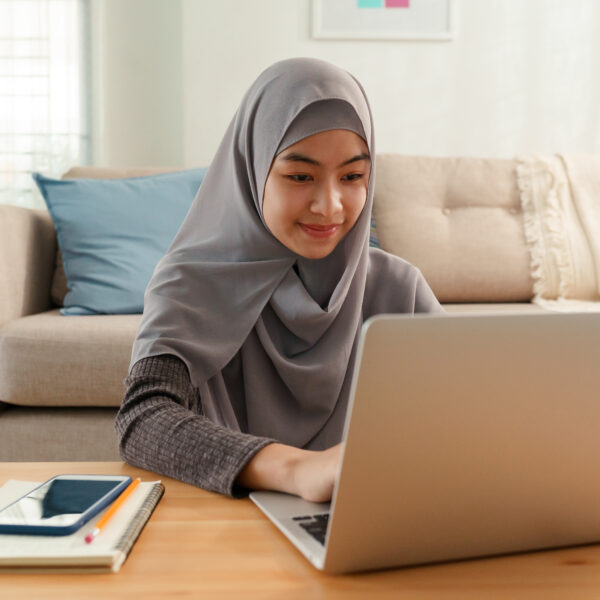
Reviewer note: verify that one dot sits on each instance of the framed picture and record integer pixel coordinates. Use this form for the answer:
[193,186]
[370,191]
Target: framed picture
[384,19]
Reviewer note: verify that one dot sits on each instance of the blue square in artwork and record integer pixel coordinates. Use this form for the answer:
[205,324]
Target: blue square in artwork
[370,3]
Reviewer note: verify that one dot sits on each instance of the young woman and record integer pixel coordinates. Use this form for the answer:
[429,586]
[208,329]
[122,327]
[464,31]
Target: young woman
[240,371]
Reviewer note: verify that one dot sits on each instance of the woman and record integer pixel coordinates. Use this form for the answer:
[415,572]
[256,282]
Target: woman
[240,371]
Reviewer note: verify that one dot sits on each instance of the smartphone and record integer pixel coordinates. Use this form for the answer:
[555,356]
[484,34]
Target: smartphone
[61,505]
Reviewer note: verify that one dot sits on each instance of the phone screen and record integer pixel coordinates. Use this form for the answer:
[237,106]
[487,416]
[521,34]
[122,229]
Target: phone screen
[58,502]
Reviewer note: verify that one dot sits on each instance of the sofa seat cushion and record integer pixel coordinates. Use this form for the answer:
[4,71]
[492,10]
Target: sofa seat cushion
[503,308]
[48,359]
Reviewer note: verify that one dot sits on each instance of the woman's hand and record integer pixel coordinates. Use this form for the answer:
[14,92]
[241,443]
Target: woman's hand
[315,472]
[307,473]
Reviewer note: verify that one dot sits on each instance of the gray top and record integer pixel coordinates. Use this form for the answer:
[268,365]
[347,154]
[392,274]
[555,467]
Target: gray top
[161,428]
[268,347]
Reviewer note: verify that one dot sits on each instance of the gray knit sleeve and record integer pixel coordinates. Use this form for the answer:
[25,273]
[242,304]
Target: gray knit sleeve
[160,427]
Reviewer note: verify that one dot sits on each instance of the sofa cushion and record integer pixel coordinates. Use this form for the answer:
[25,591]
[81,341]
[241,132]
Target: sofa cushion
[489,308]
[59,282]
[50,360]
[459,220]
[113,232]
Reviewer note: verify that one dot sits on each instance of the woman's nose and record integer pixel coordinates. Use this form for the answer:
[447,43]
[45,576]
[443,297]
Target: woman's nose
[327,201]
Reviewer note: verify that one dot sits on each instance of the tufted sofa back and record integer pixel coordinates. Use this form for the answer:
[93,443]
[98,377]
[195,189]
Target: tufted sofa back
[459,220]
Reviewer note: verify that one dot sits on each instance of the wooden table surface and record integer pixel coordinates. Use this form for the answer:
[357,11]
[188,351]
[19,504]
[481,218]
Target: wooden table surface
[202,545]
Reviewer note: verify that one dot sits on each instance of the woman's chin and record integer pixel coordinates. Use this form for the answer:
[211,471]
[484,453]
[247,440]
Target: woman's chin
[315,253]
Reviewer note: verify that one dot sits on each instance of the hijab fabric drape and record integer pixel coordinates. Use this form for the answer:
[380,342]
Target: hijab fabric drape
[268,346]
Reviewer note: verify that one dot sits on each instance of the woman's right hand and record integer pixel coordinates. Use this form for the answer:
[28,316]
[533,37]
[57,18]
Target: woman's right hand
[315,472]
[309,474]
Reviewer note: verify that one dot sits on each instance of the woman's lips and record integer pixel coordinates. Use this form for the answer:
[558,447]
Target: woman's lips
[320,231]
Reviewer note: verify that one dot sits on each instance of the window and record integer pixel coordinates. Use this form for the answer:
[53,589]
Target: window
[44,93]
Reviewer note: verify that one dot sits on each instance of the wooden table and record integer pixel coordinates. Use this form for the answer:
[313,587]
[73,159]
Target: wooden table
[201,545]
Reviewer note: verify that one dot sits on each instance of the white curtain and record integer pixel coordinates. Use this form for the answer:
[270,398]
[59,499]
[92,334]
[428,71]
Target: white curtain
[44,93]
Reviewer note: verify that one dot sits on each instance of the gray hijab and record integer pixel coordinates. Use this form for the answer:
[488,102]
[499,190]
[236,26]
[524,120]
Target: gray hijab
[269,336]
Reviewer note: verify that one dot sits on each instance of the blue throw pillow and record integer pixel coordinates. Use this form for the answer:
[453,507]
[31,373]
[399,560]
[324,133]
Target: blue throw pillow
[373,239]
[112,232]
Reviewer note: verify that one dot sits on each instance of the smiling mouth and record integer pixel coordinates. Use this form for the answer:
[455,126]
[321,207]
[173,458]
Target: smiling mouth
[320,231]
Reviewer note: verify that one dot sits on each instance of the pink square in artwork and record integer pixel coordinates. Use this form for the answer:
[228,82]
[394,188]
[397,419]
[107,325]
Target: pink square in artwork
[397,3]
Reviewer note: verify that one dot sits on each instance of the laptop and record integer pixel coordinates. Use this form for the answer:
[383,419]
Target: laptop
[465,436]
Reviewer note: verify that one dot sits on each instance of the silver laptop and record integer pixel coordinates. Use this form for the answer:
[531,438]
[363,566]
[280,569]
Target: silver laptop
[466,436]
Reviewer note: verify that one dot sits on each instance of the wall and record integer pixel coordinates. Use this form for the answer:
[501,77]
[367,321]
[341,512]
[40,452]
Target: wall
[520,76]
[137,91]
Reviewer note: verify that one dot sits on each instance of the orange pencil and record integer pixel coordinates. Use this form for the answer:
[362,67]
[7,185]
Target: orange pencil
[112,510]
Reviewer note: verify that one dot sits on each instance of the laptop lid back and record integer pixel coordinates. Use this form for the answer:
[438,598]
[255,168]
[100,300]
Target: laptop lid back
[469,436]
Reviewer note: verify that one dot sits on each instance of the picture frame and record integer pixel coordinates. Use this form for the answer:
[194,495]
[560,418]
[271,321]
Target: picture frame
[420,20]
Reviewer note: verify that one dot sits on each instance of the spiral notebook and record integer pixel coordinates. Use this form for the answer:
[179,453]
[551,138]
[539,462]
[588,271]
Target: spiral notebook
[70,553]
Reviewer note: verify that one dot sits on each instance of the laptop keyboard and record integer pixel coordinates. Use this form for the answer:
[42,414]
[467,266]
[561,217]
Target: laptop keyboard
[316,525]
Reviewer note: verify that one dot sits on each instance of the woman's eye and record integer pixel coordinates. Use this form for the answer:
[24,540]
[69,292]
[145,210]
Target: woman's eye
[302,178]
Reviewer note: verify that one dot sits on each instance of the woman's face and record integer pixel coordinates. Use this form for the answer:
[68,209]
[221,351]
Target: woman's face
[316,190]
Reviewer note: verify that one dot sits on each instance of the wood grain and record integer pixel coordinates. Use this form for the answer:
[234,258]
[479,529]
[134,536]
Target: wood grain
[202,545]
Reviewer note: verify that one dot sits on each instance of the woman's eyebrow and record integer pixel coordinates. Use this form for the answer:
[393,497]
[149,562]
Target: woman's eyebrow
[296,157]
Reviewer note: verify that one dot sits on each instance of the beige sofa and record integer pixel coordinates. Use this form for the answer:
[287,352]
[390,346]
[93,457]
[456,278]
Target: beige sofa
[61,378]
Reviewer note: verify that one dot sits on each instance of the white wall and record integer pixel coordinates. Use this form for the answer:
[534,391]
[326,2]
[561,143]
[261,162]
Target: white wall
[137,100]
[520,76]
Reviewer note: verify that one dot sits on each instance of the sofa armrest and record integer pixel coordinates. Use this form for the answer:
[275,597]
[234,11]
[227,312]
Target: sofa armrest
[27,255]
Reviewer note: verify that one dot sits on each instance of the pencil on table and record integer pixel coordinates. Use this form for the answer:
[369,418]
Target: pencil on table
[112,510]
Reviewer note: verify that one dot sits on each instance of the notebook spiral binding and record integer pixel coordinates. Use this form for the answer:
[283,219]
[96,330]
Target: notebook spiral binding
[131,534]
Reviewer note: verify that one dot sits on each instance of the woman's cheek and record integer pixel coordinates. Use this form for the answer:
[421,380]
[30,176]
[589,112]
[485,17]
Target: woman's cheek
[358,204]
[295,206]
